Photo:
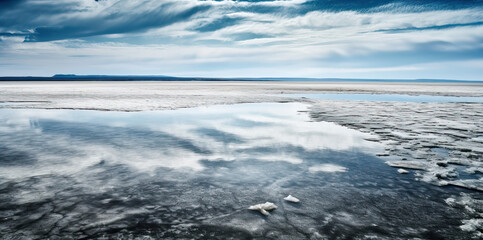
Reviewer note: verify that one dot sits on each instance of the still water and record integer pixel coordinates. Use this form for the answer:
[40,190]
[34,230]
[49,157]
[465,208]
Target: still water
[192,173]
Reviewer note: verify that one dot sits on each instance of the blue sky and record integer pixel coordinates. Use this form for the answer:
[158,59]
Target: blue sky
[380,39]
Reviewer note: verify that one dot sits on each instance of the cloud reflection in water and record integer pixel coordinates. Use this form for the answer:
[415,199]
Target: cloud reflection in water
[67,141]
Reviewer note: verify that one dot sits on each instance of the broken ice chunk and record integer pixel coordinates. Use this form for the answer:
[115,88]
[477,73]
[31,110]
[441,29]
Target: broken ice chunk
[450,201]
[291,198]
[472,225]
[263,207]
[408,164]
[472,184]
[402,171]
[474,170]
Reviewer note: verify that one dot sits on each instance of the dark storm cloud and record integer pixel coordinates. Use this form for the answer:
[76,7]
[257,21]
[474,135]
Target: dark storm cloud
[9,3]
[357,5]
[23,14]
[113,24]
[49,20]
[8,34]
[56,20]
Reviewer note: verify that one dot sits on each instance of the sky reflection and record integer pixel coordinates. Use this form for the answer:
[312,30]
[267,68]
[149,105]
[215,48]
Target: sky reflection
[69,141]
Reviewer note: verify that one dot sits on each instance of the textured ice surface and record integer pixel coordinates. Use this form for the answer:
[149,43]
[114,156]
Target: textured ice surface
[473,184]
[408,164]
[192,173]
[387,97]
[425,136]
[439,140]
[473,225]
[472,205]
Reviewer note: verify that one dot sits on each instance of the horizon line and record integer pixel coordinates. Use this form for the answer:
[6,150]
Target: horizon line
[100,77]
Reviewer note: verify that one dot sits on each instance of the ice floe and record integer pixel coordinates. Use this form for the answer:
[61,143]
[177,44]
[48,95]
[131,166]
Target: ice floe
[263,208]
[473,170]
[438,175]
[472,184]
[472,225]
[408,164]
[291,198]
[402,171]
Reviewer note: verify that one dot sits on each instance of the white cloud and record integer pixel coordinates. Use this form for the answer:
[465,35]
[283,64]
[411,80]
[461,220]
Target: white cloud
[293,44]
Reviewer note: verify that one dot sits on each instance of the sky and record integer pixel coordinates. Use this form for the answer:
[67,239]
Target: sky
[377,39]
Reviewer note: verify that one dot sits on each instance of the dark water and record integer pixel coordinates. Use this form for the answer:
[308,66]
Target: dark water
[193,173]
[386,97]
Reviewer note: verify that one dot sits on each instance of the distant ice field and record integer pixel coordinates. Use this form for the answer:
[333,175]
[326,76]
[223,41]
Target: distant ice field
[387,97]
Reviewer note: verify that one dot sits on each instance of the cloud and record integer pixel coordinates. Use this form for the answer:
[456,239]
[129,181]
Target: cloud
[111,22]
[436,27]
[9,3]
[50,20]
[189,37]
[27,14]
[218,24]
[372,6]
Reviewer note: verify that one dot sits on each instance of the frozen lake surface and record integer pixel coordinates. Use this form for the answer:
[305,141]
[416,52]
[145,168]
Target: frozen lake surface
[193,173]
[387,97]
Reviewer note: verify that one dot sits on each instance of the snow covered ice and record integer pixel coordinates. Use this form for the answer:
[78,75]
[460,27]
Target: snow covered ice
[264,208]
[291,198]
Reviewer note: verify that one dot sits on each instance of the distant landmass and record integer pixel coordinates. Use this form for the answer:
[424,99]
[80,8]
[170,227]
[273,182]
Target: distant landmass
[74,77]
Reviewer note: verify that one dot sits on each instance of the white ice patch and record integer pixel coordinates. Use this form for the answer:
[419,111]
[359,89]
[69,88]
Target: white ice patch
[450,201]
[473,170]
[440,176]
[291,198]
[263,208]
[327,168]
[408,164]
[473,207]
[472,225]
[473,184]
[402,171]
